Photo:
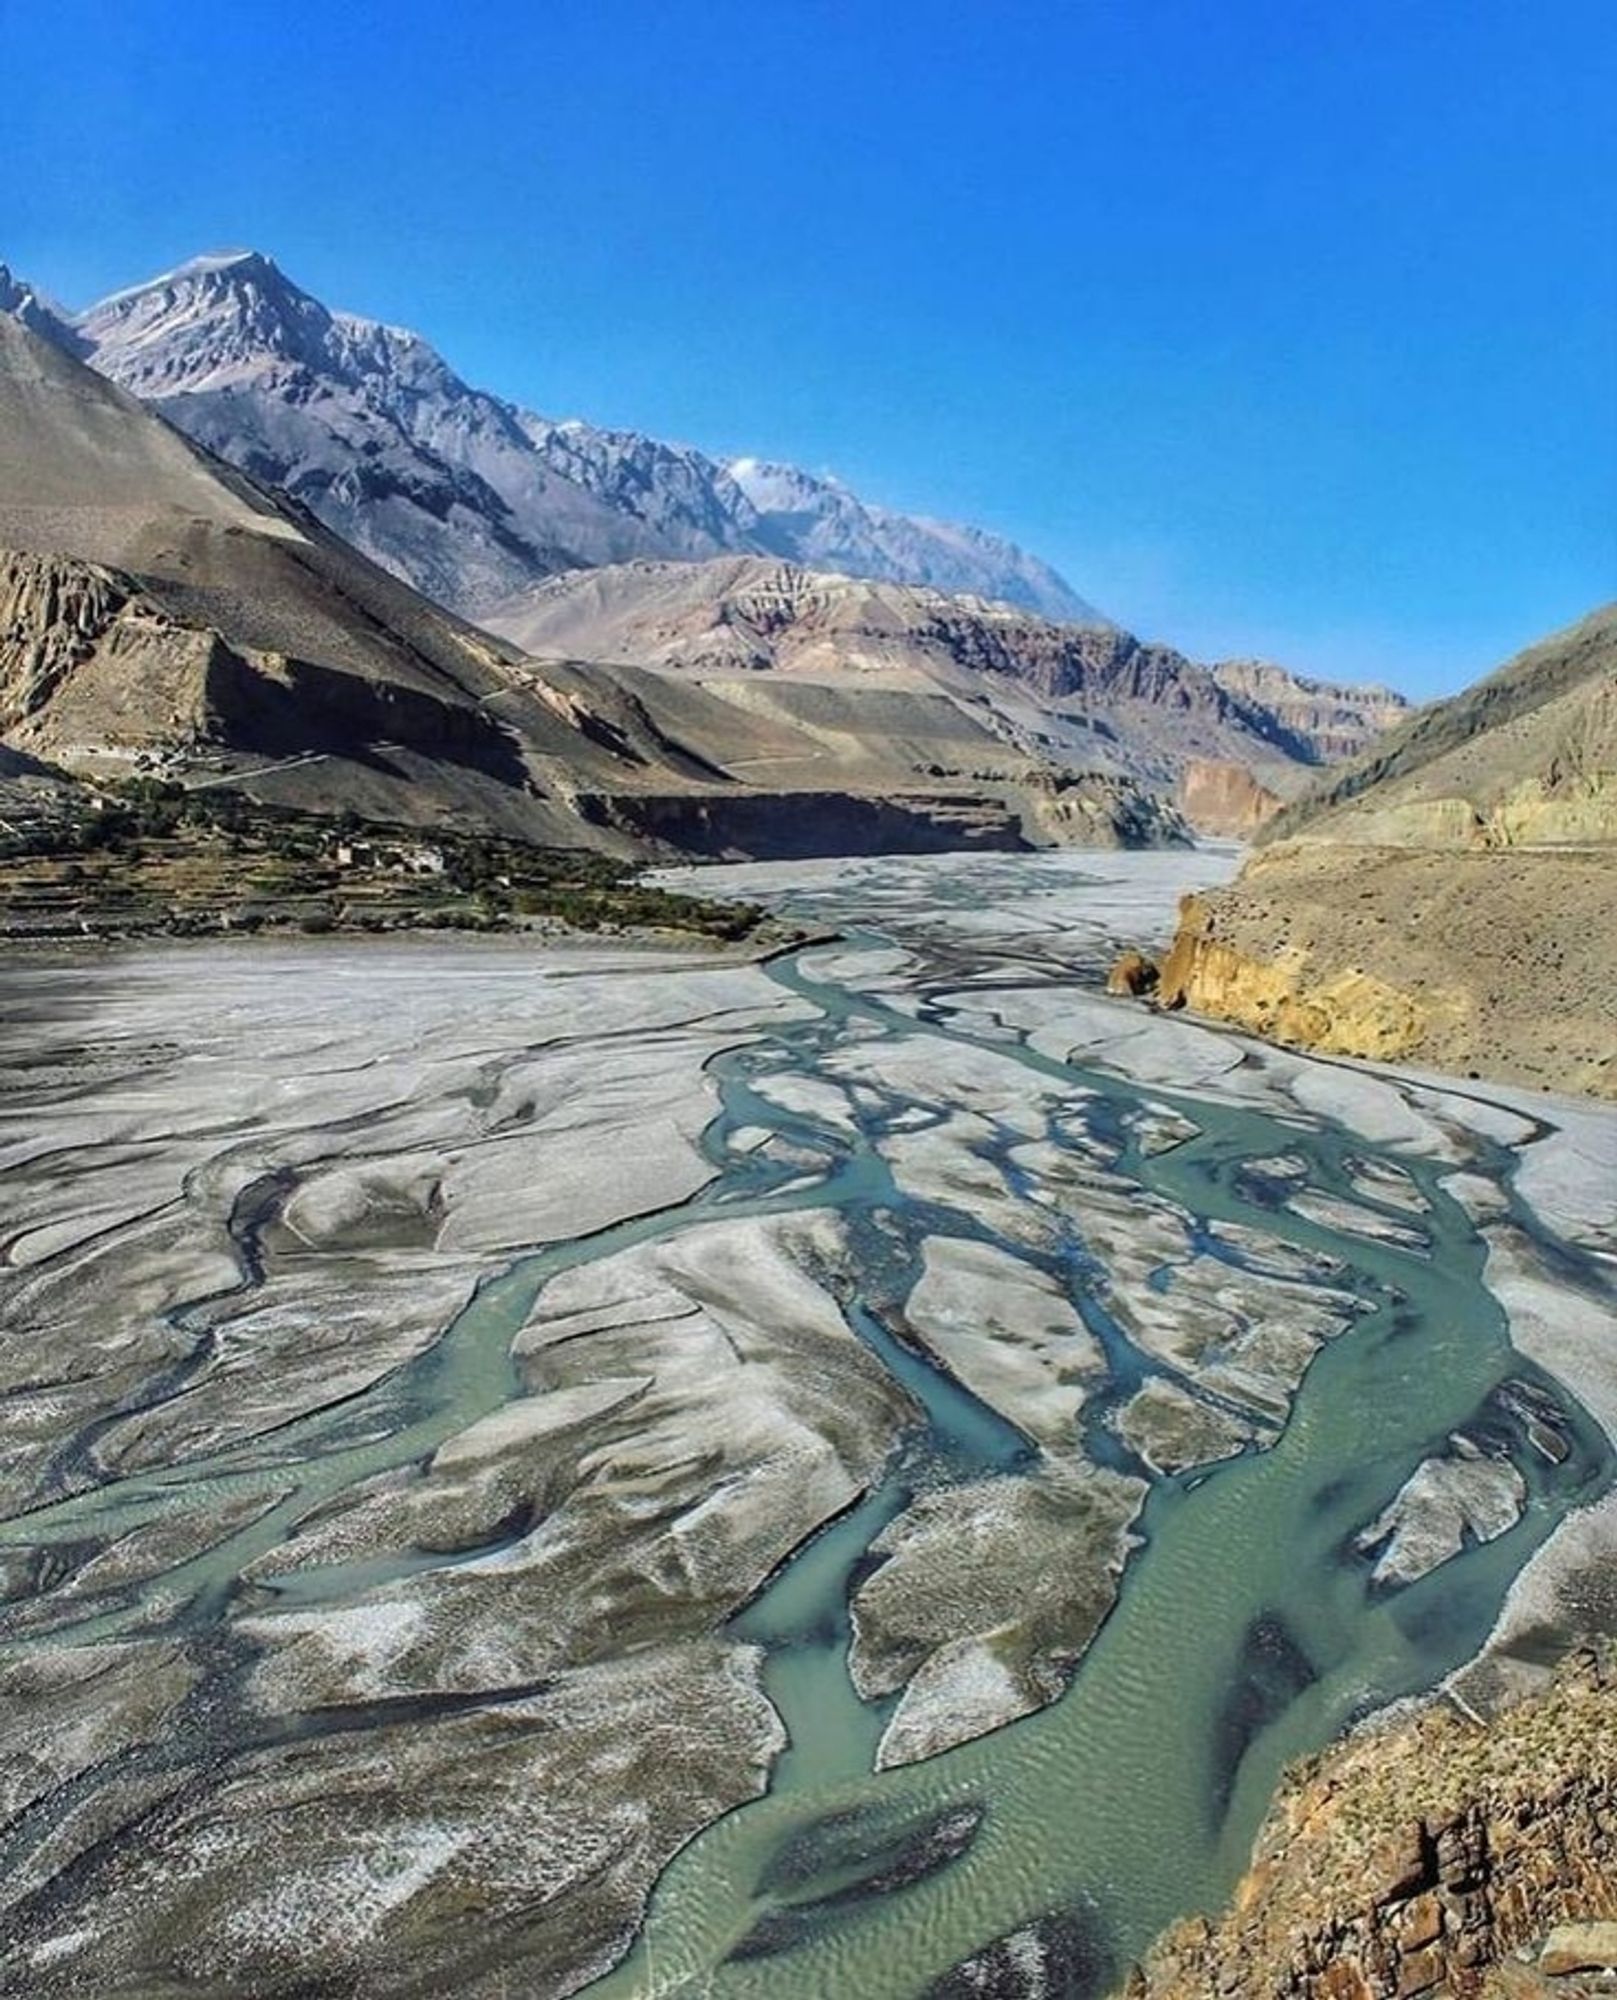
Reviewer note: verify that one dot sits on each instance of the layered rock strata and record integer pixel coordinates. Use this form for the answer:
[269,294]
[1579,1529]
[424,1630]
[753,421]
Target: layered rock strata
[1445,897]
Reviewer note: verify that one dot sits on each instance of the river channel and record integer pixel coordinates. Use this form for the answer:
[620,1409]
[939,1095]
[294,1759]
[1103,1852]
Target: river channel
[1249,1626]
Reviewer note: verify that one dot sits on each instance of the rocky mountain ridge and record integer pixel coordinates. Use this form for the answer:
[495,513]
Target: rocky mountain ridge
[21,302]
[1221,796]
[1330,716]
[504,517]
[161,614]
[1526,757]
[1090,695]
[457,491]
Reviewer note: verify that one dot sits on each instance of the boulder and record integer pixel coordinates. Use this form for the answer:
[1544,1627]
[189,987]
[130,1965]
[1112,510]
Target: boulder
[1132,975]
[1579,1948]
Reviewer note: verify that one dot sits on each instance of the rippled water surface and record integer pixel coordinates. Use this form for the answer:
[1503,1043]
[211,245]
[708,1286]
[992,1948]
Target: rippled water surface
[1249,1627]
[1247,1633]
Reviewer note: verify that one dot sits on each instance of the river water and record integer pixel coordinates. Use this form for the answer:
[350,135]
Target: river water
[1247,1632]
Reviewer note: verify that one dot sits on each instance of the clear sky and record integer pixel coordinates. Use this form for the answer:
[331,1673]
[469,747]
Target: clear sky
[1281,327]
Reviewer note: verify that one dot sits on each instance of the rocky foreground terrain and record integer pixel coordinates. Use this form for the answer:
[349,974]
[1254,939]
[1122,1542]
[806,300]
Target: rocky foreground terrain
[1444,898]
[1441,1856]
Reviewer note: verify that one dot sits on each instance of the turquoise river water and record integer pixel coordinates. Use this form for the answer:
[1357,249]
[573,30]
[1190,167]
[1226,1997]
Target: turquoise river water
[1247,1631]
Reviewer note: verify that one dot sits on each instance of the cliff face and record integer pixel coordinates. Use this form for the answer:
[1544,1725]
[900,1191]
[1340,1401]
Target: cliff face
[1445,899]
[1224,798]
[1337,721]
[1439,1857]
[1490,964]
[92,666]
[1286,996]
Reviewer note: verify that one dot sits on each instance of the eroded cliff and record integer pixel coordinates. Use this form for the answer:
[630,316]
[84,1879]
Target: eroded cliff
[1491,964]
[1447,898]
[1222,798]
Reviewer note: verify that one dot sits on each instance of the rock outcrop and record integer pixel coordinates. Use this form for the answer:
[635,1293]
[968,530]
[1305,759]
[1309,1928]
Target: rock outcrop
[1427,1858]
[94,669]
[54,613]
[1287,995]
[1132,975]
[1337,721]
[1445,899]
[1481,965]
[1220,797]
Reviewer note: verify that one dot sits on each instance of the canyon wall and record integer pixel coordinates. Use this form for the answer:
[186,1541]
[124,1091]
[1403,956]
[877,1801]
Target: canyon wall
[1224,799]
[1495,964]
[1445,897]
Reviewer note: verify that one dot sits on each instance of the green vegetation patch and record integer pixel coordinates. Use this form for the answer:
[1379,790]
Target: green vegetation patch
[144,854]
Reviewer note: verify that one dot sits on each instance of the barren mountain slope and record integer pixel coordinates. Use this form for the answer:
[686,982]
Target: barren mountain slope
[476,501]
[1526,755]
[765,632]
[461,493]
[1471,927]
[155,604]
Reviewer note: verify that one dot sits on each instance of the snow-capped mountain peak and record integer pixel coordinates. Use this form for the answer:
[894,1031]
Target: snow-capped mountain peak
[817,520]
[233,318]
[246,263]
[22,301]
[228,317]
[467,496]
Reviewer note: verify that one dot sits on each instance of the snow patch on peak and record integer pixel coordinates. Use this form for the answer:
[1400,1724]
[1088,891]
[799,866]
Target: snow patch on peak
[469,497]
[210,264]
[224,260]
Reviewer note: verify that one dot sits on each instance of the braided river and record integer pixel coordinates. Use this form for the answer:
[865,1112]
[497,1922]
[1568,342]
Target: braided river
[1223,1312]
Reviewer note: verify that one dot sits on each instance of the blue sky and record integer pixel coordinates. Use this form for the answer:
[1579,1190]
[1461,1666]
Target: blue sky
[1281,328]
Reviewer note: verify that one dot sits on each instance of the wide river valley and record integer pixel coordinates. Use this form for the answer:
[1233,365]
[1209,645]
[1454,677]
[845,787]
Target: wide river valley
[545,1468]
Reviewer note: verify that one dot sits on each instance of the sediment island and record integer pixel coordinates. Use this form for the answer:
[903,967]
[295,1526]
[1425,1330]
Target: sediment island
[543,1465]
